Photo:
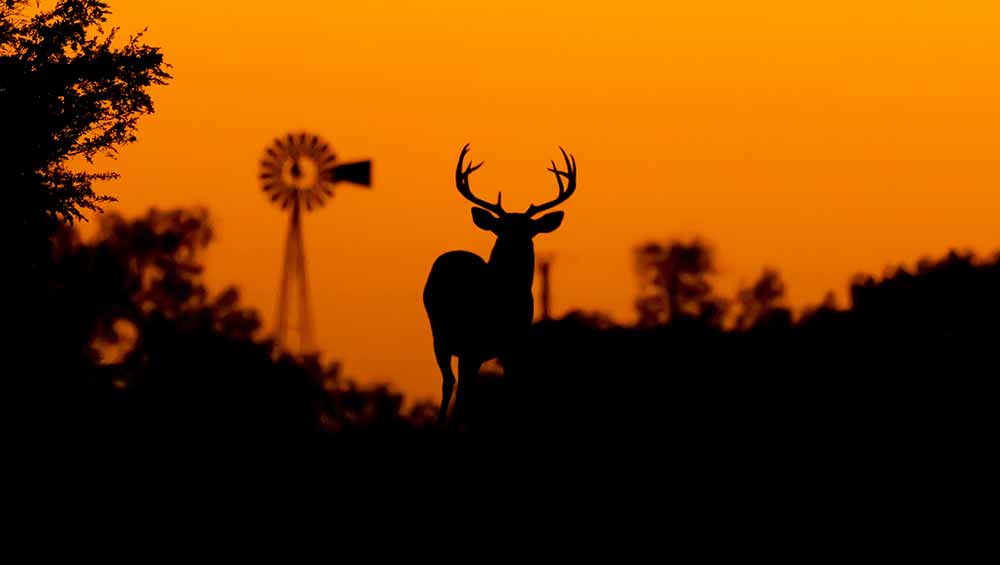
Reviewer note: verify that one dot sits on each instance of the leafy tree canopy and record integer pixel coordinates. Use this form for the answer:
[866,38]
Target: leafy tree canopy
[674,283]
[68,89]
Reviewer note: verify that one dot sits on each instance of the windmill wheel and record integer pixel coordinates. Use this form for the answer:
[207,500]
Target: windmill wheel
[298,169]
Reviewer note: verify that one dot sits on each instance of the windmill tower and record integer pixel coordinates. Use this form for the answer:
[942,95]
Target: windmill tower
[298,172]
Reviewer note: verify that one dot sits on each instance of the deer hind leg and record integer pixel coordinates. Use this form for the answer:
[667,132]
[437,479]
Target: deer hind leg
[447,381]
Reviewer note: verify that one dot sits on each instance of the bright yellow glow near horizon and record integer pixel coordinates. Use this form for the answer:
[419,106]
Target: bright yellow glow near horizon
[823,139]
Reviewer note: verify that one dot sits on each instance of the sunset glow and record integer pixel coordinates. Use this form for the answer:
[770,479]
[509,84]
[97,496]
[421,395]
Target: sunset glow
[818,139]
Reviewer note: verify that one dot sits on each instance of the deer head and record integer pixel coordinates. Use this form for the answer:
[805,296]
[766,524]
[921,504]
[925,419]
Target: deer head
[512,226]
[513,256]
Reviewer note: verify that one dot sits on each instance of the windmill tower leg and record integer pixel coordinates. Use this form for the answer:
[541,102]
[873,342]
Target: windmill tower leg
[307,344]
[294,288]
[281,332]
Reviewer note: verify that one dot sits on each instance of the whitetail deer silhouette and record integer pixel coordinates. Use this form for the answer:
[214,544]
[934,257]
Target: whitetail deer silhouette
[478,309]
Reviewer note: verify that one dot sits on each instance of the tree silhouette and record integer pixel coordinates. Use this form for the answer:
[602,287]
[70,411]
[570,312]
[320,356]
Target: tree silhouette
[674,283]
[67,91]
[139,269]
[137,347]
[760,301]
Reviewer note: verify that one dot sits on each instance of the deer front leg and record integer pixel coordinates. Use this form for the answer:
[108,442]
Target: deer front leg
[447,382]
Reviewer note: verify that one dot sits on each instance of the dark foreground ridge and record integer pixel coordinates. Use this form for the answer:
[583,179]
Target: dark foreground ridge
[122,342]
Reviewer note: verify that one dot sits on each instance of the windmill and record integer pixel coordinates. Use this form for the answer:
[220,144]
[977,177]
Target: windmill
[298,171]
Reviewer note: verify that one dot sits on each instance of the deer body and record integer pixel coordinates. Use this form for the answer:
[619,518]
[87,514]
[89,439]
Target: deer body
[462,323]
[479,309]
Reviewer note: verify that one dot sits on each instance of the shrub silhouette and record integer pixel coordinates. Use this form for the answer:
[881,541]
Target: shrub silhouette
[186,363]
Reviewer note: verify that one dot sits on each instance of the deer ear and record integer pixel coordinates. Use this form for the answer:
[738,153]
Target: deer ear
[483,219]
[549,222]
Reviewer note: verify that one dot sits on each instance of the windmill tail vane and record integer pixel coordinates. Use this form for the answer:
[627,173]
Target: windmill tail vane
[299,170]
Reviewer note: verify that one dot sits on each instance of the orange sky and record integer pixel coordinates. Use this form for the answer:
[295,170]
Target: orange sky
[820,139]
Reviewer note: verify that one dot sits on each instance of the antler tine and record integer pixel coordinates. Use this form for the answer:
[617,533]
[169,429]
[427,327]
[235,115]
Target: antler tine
[462,182]
[565,191]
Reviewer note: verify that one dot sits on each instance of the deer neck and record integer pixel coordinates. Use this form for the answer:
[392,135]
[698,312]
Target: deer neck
[512,265]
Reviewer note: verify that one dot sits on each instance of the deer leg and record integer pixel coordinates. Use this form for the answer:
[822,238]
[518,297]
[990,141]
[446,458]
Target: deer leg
[447,381]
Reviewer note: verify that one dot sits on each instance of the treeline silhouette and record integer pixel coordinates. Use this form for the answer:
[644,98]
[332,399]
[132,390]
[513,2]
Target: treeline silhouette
[913,359]
[135,346]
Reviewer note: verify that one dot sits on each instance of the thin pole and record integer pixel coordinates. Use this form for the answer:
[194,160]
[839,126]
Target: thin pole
[543,267]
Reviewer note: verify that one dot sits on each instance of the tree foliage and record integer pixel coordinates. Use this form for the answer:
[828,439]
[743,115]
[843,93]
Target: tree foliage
[674,283]
[68,90]
[135,343]
[761,300]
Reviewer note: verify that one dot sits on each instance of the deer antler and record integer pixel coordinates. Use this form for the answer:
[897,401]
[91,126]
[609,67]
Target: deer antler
[462,182]
[564,192]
